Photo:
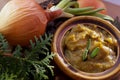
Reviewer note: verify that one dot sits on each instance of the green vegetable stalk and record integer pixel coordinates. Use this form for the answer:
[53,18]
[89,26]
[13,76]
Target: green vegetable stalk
[85,54]
[71,8]
[94,52]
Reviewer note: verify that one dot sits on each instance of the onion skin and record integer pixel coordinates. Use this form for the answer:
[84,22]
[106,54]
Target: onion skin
[21,20]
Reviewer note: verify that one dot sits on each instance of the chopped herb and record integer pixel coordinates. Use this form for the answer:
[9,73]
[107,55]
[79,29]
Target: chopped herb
[34,65]
[88,44]
[85,54]
[84,57]
[4,46]
[94,52]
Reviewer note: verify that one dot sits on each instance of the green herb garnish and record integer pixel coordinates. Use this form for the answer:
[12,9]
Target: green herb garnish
[7,76]
[32,63]
[85,54]
[88,44]
[94,52]
[4,47]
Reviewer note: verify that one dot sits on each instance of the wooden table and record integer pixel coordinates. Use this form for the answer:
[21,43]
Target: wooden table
[112,9]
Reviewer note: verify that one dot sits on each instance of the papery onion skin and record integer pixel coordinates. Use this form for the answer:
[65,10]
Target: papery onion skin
[22,20]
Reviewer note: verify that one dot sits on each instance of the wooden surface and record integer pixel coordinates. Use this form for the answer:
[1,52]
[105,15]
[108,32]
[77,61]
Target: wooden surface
[113,10]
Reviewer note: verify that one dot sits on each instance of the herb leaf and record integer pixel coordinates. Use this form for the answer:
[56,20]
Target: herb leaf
[4,46]
[6,76]
[84,57]
[85,54]
[94,52]
[34,65]
[88,44]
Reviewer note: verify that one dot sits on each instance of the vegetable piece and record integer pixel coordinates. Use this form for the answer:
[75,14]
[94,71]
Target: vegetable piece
[88,44]
[103,16]
[84,57]
[90,12]
[76,10]
[21,20]
[71,8]
[94,52]
[73,4]
[62,5]
[92,3]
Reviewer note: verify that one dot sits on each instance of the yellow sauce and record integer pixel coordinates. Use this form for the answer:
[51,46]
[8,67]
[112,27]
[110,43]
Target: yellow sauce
[75,42]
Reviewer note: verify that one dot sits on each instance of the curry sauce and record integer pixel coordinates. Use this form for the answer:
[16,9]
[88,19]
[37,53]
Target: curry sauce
[75,43]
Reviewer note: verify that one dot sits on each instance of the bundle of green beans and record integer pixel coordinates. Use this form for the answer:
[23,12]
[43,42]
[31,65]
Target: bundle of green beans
[71,8]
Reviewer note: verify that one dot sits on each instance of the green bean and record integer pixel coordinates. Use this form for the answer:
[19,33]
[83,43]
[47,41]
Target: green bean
[94,52]
[103,16]
[78,10]
[88,44]
[85,54]
[71,8]
[89,12]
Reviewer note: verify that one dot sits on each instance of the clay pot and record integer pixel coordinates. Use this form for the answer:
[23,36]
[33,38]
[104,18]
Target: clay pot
[67,68]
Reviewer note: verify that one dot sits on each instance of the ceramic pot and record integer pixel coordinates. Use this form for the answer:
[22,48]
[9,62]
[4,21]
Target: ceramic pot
[67,68]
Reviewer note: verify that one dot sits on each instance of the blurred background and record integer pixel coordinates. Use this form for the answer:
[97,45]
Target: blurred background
[117,2]
[112,6]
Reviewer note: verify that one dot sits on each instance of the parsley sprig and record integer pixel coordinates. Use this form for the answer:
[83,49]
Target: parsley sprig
[31,63]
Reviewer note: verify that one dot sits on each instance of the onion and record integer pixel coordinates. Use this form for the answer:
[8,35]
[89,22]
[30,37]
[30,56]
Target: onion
[21,20]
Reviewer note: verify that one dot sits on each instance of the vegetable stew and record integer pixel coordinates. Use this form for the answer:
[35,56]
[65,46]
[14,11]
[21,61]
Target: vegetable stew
[90,46]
